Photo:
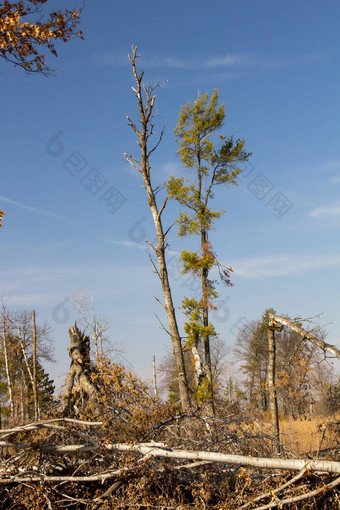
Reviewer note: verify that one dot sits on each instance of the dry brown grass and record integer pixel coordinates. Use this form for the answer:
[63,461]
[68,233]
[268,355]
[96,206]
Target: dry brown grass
[303,437]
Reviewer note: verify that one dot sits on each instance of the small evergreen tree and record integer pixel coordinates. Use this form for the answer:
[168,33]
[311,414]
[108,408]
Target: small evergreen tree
[45,387]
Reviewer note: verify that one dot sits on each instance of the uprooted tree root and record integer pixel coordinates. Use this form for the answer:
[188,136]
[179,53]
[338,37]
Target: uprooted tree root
[183,462]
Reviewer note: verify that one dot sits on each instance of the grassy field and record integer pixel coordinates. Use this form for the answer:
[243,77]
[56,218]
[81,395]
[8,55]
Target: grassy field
[308,436]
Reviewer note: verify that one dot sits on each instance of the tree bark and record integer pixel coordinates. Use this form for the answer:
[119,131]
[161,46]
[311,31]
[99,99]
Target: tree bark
[143,167]
[35,391]
[238,460]
[271,385]
[205,310]
[79,351]
[198,365]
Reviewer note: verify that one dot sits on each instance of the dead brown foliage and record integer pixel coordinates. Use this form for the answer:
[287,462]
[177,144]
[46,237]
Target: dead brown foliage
[70,462]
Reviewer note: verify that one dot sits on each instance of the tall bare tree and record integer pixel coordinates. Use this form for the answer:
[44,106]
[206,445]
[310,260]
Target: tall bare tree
[144,130]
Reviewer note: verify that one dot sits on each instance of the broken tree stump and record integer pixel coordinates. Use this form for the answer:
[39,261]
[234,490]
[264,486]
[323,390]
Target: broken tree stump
[79,352]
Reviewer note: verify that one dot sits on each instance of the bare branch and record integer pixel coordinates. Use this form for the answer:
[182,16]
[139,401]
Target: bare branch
[161,323]
[151,245]
[154,266]
[160,302]
[134,127]
[132,164]
[276,491]
[157,144]
[317,492]
[135,160]
[168,230]
[163,207]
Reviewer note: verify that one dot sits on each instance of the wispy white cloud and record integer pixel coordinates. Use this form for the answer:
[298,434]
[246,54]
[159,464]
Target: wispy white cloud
[332,209]
[283,265]
[170,168]
[28,286]
[223,61]
[192,64]
[332,169]
[333,164]
[198,64]
[129,244]
[29,208]
[32,300]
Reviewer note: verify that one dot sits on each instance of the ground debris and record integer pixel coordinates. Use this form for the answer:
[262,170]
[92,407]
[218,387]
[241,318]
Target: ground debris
[71,463]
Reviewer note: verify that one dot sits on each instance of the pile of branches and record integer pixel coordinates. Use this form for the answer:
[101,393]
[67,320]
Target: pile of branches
[182,462]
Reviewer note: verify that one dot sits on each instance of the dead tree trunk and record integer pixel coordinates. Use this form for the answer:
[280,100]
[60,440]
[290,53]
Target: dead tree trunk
[271,382]
[35,391]
[144,131]
[79,351]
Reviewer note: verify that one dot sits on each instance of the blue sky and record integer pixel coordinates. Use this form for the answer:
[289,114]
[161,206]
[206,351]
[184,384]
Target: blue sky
[276,66]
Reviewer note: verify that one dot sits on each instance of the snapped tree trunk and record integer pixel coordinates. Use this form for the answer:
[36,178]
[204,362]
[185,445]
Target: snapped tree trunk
[271,384]
[316,341]
[79,351]
[143,132]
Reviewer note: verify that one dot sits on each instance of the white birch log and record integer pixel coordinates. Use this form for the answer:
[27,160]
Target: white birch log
[44,478]
[240,460]
[152,451]
[46,423]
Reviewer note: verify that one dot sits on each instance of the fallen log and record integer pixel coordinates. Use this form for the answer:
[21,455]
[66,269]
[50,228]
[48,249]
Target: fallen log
[155,451]
[240,460]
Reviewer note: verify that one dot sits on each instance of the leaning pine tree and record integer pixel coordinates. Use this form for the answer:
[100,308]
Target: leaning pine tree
[207,165]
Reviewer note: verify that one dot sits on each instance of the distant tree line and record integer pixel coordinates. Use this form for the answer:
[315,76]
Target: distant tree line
[26,390]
